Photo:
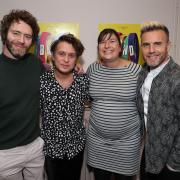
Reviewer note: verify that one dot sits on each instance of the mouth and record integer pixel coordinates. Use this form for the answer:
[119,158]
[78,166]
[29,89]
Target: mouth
[65,66]
[108,52]
[152,57]
[19,46]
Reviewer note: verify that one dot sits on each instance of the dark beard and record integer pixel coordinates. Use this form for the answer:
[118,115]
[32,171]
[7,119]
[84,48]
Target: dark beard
[12,51]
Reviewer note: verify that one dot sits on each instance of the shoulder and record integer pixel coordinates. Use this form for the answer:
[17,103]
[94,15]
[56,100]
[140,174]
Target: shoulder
[175,66]
[34,62]
[135,68]
[82,80]
[33,59]
[173,77]
[92,68]
[138,66]
[47,75]
[173,69]
[82,77]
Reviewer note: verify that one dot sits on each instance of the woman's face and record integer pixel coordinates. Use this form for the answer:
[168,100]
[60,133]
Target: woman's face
[109,48]
[64,58]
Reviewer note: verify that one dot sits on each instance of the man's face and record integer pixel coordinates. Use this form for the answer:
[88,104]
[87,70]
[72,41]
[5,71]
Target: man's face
[155,46]
[19,40]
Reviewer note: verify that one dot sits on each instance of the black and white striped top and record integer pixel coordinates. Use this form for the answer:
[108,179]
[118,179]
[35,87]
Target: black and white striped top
[113,140]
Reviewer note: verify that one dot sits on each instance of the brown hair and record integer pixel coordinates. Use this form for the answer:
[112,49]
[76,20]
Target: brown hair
[71,39]
[108,31]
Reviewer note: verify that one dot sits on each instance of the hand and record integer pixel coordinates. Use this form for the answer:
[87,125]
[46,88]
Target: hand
[79,69]
[47,66]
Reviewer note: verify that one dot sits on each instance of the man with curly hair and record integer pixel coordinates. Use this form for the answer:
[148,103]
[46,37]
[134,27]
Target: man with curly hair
[21,155]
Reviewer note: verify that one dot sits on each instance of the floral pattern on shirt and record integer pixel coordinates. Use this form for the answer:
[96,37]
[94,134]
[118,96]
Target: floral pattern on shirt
[62,115]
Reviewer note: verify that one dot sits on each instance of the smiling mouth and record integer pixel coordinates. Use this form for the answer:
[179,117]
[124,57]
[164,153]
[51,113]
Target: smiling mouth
[19,46]
[152,56]
[108,52]
[65,66]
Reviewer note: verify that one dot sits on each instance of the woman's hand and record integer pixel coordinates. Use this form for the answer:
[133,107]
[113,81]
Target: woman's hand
[79,68]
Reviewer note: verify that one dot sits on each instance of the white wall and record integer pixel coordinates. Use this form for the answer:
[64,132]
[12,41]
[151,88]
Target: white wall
[177,34]
[89,13]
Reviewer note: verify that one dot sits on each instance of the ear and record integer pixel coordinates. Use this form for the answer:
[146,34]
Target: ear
[98,47]
[52,57]
[120,48]
[169,45]
[77,61]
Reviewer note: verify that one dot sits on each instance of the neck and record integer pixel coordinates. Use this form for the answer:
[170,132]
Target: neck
[111,63]
[61,75]
[64,79]
[116,63]
[165,61]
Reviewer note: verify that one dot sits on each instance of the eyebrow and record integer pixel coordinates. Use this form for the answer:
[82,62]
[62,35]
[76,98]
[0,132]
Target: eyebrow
[13,30]
[152,42]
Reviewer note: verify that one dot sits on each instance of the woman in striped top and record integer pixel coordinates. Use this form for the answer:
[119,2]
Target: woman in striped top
[113,140]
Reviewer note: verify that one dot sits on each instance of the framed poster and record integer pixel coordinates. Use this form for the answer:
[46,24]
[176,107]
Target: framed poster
[48,33]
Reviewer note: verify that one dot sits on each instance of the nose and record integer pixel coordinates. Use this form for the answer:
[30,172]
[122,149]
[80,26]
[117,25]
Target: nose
[107,44]
[151,48]
[21,38]
[66,58]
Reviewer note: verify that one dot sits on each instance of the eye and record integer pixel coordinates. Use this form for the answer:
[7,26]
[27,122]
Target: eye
[27,36]
[72,55]
[19,34]
[158,44]
[102,42]
[145,45]
[16,33]
[61,53]
[112,41]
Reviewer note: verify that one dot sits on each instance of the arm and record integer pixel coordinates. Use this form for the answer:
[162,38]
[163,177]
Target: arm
[174,158]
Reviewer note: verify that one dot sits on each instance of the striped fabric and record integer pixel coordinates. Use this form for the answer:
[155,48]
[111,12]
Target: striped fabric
[113,140]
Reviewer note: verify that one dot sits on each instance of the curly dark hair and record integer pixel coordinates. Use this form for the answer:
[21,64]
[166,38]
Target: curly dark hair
[71,39]
[16,15]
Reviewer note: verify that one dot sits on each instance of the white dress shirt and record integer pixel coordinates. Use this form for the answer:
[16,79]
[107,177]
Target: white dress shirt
[146,87]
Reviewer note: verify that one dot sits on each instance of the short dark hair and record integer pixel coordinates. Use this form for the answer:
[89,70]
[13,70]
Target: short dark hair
[71,39]
[108,31]
[16,15]
[152,26]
